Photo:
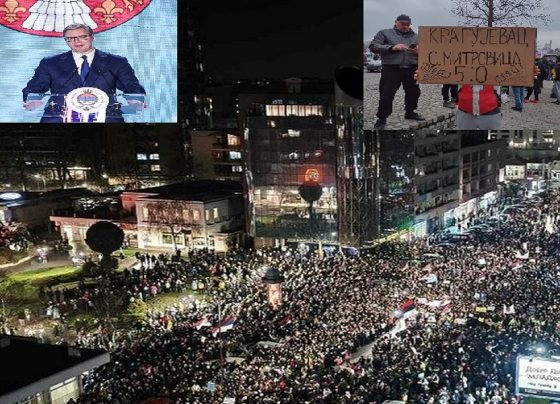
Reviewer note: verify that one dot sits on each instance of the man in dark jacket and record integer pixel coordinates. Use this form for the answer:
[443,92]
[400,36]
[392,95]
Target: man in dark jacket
[399,54]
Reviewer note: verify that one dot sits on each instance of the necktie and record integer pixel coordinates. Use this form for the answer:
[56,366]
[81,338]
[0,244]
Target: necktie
[85,69]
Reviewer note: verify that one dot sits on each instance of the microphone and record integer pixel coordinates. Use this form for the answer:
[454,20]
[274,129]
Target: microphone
[116,105]
[100,73]
[75,71]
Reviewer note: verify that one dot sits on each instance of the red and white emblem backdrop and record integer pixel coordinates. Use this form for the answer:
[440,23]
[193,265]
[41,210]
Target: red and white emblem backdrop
[49,17]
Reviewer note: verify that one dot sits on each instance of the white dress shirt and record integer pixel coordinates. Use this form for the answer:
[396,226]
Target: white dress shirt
[79,61]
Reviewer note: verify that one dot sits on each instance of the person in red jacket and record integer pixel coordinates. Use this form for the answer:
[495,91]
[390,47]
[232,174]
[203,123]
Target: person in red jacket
[478,108]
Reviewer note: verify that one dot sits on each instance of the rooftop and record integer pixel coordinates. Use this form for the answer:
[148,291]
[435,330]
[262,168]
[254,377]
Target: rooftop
[34,367]
[198,190]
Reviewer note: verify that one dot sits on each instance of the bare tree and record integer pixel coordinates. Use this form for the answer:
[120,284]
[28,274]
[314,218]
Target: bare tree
[172,216]
[500,12]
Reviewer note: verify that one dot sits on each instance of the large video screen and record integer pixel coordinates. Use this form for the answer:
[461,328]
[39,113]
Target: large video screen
[135,45]
[539,377]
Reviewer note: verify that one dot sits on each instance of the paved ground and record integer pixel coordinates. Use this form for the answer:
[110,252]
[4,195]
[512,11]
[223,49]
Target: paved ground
[544,115]
[55,260]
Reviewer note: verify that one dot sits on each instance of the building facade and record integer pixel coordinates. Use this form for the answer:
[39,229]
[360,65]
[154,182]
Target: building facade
[186,216]
[217,154]
[289,136]
[143,155]
[437,167]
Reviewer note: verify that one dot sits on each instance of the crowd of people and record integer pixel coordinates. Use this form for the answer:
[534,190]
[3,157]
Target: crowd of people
[339,336]
[15,236]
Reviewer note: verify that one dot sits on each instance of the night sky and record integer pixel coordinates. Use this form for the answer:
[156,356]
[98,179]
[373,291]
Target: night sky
[278,38]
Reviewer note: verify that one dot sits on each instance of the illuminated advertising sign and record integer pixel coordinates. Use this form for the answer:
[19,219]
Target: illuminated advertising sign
[538,377]
[134,62]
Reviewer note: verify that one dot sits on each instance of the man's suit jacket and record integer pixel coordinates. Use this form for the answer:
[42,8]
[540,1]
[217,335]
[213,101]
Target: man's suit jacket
[59,75]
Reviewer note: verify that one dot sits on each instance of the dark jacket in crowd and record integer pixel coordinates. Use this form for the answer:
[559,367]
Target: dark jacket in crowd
[385,39]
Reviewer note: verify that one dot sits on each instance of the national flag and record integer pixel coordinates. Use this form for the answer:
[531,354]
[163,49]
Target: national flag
[407,309]
[516,264]
[203,322]
[400,326]
[225,325]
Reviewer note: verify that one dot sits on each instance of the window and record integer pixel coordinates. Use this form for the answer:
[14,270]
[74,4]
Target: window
[207,215]
[154,156]
[145,213]
[215,214]
[186,215]
[155,167]
[141,156]
[276,110]
[167,238]
[233,140]
[196,215]
[234,155]
[236,169]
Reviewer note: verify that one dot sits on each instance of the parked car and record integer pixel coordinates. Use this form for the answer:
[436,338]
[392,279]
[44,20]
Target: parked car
[374,65]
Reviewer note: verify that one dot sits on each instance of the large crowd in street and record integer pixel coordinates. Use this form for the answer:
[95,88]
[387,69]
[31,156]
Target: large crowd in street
[439,323]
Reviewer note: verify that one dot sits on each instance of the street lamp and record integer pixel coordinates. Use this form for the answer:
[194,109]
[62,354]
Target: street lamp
[273,280]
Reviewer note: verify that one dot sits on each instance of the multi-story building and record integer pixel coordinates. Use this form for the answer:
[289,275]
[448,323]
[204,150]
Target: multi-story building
[532,156]
[217,154]
[447,176]
[140,155]
[397,183]
[195,105]
[289,136]
[357,166]
[312,172]
[437,170]
[34,157]
[482,170]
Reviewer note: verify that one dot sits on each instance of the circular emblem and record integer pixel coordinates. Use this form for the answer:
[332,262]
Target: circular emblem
[87,99]
[49,17]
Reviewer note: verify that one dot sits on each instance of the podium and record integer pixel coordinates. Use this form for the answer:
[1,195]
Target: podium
[85,105]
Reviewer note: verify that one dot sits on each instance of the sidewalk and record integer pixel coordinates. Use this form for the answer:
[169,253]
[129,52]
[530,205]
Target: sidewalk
[544,115]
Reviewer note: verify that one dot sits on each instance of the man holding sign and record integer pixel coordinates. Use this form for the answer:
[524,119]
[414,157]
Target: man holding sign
[399,54]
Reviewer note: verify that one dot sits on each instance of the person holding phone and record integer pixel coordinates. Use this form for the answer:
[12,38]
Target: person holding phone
[399,56]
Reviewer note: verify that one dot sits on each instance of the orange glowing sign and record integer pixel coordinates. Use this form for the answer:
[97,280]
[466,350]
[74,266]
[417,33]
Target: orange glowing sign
[312,174]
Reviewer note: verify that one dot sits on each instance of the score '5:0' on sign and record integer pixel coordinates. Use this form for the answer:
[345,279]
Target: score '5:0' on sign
[477,55]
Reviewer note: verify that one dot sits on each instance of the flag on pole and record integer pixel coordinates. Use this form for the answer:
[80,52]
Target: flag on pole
[203,322]
[400,326]
[407,310]
[225,325]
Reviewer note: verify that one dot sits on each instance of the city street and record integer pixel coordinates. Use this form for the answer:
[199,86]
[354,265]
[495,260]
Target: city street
[544,115]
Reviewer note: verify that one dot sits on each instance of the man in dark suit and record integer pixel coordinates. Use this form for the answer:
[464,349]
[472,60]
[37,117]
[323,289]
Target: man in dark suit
[83,66]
